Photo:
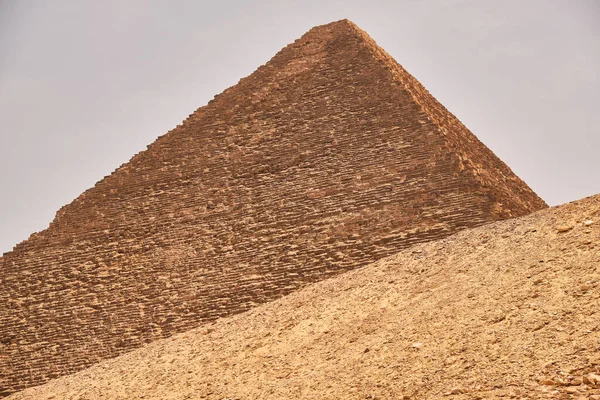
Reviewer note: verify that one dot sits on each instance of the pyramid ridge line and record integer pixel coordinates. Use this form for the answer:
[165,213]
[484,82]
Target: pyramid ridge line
[421,95]
[401,73]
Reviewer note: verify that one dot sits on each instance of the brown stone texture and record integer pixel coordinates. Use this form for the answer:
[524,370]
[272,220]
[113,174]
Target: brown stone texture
[509,310]
[327,158]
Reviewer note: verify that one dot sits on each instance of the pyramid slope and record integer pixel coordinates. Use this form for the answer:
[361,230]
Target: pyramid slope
[505,310]
[475,158]
[324,160]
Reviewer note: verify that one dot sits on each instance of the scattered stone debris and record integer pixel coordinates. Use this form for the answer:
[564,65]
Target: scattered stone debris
[279,351]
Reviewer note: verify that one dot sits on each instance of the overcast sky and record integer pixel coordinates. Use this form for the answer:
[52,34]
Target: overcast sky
[86,84]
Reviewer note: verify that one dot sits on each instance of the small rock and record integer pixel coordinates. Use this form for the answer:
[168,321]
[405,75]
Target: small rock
[572,390]
[451,360]
[595,397]
[592,379]
[576,382]
[547,382]
[585,287]
[457,391]
[559,382]
[417,345]
[539,326]
[588,222]
[498,318]
[564,228]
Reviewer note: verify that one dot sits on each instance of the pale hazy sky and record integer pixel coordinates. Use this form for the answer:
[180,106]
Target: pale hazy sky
[86,84]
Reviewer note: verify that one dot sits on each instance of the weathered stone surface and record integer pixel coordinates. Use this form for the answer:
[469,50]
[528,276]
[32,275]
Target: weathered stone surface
[353,336]
[327,158]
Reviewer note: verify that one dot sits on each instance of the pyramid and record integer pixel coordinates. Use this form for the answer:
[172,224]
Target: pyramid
[504,311]
[325,159]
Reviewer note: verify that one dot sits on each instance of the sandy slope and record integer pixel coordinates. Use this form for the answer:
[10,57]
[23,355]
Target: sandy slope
[510,310]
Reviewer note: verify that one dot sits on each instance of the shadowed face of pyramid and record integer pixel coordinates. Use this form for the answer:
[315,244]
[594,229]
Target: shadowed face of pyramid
[327,158]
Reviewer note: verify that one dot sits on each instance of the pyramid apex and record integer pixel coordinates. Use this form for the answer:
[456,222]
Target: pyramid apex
[335,24]
[340,22]
[344,21]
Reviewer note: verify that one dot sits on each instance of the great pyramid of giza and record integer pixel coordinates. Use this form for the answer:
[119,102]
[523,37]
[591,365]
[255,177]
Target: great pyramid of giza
[503,311]
[327,158]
